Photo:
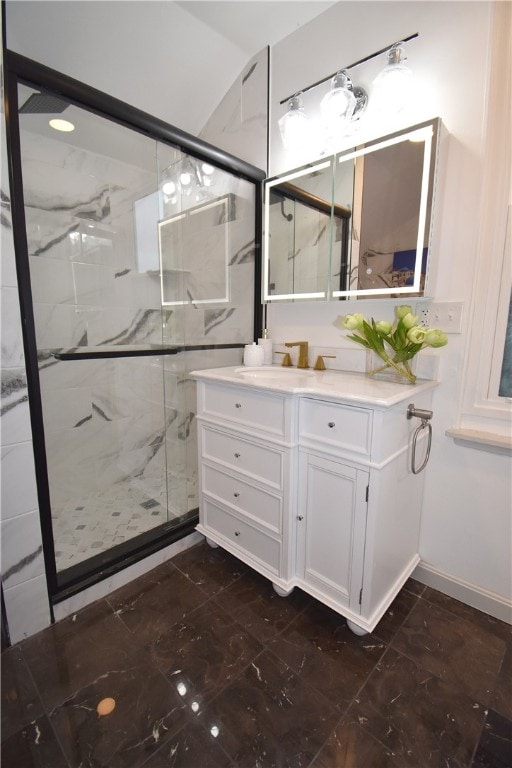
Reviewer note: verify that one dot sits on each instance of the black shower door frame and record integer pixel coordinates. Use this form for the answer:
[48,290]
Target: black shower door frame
[21,70]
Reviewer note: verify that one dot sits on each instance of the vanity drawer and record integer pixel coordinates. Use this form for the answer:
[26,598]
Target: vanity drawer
[255,503]
[259,411]
[338,426]
[256,461]
[242,536]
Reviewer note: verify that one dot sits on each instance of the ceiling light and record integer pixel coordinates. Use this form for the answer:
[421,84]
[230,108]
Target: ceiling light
[62,125]
[393,86]
[294,125]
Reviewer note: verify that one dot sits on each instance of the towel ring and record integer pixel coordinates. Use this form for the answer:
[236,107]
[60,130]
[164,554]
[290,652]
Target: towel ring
[425,416]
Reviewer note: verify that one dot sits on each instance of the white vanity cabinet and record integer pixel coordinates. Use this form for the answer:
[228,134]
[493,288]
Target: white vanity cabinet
[359,505]
[246,475]
[331,528]
[332,500]
[314,488]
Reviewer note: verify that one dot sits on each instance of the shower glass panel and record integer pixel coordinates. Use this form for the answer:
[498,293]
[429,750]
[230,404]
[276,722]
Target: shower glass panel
[141,264]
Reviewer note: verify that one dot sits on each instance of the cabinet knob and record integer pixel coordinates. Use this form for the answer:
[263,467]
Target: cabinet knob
[300,517]
[236,494]
[237,533]
[331,424]
[238,405]
[237,455]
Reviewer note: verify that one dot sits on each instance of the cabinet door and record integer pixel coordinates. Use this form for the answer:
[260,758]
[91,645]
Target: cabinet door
[331,528]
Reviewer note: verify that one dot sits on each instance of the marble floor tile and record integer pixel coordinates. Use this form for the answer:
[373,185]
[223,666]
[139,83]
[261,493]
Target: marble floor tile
[211,569]
[351,746]
[209,668]
[72,653]
[320,647]
[395,616]
[417,716]
[20,699]
[452,648]
[150,611]
[203,653]
[501,700]
[34,746]
[481,620]
[495,747]
[147,712]
[192,747]
[270,717]
[252,601]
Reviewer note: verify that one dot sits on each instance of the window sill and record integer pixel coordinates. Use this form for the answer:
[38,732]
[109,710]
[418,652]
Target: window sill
[481,441]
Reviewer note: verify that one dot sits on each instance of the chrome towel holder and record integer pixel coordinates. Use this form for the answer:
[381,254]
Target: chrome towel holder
[425,416]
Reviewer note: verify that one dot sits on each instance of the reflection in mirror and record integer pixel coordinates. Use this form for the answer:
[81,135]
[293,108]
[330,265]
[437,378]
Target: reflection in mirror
[391,221]
[297,236]
[356,225]
[200,234]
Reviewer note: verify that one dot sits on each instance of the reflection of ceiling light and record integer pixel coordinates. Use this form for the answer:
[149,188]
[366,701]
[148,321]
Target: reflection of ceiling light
[185,178]
[207,169]
[62,125]
[214,730]
[169,188]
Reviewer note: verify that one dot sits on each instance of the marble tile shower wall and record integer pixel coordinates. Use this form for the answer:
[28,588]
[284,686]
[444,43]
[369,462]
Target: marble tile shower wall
[22,565]
[105,421]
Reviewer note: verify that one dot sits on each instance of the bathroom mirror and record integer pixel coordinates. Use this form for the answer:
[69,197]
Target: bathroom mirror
[355,225]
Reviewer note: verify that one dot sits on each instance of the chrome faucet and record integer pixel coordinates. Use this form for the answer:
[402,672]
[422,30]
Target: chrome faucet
[303,352]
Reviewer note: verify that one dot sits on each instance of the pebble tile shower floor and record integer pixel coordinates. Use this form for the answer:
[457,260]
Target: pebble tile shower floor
[209,668]
[99,521]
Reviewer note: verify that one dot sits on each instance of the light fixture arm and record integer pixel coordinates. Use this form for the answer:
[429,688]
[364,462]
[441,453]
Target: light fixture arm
[350,66]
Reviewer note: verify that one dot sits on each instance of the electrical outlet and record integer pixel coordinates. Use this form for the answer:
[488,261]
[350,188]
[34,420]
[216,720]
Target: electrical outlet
[446,315]
[423,314]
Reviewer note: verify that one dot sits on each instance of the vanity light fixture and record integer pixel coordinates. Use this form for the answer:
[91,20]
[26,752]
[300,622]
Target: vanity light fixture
[345,103]
[393,85]
[61,125]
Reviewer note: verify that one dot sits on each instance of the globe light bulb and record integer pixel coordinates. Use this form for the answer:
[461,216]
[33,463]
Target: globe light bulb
[394,85]
[294,126]
[337,106]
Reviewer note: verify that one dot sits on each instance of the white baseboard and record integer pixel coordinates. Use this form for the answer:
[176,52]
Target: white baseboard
[481,599]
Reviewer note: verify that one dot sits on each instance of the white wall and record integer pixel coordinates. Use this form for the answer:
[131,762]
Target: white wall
[466,531]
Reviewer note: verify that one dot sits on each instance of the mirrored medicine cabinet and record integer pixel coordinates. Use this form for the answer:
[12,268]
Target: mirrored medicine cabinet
[354,225]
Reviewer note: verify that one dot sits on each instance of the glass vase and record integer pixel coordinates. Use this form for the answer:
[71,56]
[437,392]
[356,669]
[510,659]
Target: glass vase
[388,370]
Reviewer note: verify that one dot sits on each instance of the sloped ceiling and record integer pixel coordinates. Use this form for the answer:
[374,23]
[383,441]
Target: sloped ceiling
[175,60]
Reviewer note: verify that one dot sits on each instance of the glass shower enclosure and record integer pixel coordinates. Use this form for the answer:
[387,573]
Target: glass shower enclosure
[140,264]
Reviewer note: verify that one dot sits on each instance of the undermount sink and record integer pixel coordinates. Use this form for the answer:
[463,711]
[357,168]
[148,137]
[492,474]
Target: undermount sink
[273,372]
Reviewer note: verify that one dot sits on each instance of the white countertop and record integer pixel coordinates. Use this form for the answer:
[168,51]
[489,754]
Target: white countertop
[341,386]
